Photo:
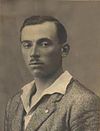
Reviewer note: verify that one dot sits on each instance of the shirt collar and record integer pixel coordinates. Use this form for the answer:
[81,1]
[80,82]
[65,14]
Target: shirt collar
[59,86]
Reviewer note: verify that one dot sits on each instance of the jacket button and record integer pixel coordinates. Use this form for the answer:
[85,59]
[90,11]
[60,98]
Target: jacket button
[46,111]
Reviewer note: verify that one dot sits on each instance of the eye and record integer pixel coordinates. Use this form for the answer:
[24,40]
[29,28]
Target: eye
[44,42]
[26,44]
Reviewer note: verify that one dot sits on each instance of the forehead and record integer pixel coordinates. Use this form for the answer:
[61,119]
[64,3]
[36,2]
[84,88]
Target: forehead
[44,30]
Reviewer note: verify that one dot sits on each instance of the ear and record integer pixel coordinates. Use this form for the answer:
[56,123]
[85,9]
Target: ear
[65,49]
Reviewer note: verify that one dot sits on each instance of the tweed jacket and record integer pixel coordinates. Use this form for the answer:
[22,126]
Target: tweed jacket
[77,110]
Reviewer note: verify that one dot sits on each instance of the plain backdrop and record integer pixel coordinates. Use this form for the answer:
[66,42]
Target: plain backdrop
[82,21]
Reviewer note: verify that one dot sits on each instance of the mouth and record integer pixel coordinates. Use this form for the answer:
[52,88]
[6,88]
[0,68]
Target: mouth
[34,63]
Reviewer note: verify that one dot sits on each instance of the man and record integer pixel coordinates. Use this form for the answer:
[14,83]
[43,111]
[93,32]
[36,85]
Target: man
[54,100]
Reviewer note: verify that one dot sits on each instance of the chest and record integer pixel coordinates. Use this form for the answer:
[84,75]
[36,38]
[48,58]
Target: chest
[48,116]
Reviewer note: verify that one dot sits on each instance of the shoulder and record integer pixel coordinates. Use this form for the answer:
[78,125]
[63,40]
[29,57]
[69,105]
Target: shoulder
[13,101]
[16,97]
[82,107]
[81,97]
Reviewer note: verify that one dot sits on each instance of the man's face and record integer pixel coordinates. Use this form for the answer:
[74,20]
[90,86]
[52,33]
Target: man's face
[41,49]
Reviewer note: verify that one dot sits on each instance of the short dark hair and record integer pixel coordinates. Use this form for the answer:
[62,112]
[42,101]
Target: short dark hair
[61,31]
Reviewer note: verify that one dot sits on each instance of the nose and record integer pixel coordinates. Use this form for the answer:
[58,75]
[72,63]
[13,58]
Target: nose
[34,52]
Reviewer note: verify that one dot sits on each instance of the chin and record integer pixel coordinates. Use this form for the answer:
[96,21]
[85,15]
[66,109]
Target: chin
[37,73]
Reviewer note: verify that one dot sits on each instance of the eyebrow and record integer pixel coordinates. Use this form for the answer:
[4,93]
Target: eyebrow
[44,38]
[38,41]
[27,41]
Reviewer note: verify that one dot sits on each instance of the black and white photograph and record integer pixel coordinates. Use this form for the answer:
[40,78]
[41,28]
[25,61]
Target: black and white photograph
[49,65]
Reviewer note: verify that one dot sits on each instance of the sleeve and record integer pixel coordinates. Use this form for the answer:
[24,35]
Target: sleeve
[6,118]
[85,114]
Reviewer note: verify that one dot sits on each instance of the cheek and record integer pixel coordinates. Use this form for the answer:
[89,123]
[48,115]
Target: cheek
[25,55]
[53,55]
[53,51]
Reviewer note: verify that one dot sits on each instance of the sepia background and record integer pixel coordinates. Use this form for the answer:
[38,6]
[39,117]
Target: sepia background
[82,21]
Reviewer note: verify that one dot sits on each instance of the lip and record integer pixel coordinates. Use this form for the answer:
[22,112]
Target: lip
[35,63]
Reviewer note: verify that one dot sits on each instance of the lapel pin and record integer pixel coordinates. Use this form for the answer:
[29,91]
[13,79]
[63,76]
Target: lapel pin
[46,111]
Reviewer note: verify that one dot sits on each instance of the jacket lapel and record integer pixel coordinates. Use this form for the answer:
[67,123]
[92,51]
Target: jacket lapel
[17,121]
[43,112]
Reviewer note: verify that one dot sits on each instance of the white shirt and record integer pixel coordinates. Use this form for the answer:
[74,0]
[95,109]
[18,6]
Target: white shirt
[59,86]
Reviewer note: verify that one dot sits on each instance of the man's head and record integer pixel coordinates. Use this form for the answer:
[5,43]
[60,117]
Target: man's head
[43,41]
[61,31]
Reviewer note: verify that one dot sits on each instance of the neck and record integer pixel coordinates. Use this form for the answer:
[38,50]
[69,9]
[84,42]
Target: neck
[43,83]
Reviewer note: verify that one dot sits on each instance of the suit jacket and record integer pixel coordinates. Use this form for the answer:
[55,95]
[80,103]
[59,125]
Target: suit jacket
[77,110]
